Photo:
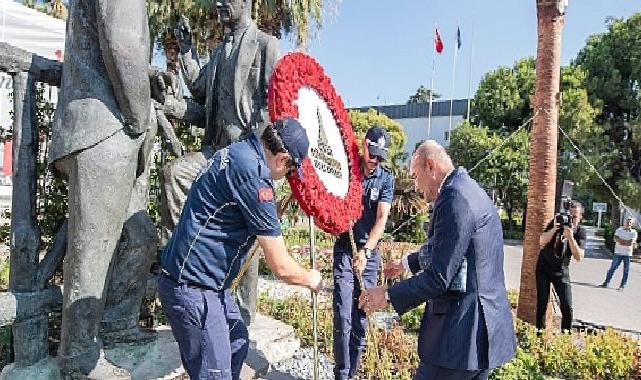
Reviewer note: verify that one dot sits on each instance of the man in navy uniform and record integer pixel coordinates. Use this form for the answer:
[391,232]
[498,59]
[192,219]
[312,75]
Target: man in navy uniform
[230,205]
[467,327]
[350,322]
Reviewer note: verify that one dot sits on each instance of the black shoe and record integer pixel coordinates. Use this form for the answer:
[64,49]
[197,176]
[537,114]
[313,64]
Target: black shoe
[604,285]
[621,287]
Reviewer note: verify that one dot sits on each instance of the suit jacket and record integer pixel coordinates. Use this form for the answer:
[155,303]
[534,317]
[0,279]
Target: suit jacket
[254,67]
[105,83]
[467,330]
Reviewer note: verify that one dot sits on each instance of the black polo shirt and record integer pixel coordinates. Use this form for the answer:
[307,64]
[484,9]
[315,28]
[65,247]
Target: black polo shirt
[555,256]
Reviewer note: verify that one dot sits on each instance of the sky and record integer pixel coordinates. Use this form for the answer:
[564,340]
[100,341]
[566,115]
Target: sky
[380,52]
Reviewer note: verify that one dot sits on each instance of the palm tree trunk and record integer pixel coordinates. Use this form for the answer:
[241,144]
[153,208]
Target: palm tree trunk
[543,154]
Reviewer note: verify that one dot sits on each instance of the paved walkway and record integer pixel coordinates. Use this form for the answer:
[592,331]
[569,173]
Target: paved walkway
[593,305]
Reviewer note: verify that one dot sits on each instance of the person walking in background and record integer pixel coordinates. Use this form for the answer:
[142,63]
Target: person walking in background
[625,238]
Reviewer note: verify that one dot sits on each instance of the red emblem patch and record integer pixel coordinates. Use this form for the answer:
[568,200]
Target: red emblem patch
[266,194]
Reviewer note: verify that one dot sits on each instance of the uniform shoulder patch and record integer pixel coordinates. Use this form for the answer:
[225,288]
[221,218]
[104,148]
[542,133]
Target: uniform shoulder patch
[265,194]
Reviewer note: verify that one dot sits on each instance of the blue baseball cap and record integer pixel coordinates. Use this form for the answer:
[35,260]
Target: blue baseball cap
[294,139]
[378,141]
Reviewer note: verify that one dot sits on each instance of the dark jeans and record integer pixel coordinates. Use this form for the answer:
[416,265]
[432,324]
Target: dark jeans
[350,322]
[561,283]
[616,261]
[207,325]
[427,371]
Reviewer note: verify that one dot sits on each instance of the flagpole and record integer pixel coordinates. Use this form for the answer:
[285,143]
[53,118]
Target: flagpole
[469,84]
[449,131]
[429,112]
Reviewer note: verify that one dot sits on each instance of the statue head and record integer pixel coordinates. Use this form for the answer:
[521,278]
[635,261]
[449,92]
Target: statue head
[231,11]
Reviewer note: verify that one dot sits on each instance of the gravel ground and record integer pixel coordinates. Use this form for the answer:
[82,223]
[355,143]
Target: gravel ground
[301,366]
[276,289]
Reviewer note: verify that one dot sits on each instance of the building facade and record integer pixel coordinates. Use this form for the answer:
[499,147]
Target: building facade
[414,119]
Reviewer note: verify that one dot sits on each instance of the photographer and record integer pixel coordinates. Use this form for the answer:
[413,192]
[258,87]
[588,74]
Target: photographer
[563,238]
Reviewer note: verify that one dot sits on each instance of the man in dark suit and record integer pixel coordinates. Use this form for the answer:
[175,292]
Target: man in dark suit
[467,327]
[229,99]
[98,129]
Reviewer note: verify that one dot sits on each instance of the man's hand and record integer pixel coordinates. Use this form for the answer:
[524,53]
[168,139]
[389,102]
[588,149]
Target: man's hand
[164,84]
[394,269]
[373,299]
[315,280]
[173,107]
[359,261]
[568,233]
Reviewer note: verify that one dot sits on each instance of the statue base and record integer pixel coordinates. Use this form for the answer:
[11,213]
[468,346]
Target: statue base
[157,360]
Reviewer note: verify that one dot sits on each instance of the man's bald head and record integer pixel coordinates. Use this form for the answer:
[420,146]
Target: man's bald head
[431,148]
[430,164]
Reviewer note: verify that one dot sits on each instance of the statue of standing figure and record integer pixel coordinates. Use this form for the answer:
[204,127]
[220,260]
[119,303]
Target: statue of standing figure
[229,99]
[100,135]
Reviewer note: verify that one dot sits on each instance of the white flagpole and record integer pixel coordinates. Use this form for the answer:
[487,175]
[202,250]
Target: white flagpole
[469,85]
[449,133]
[429,112]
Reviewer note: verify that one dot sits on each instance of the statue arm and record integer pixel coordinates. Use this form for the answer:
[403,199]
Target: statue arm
[124,42]
[272,53]
[195,75]
[184,109]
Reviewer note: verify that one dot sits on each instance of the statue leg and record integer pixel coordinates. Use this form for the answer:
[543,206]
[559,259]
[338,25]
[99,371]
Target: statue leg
[178,176]
[99,178]
[129,272]
[247,292]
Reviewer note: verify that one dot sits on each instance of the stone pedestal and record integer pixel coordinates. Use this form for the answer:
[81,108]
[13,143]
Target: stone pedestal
[271,341]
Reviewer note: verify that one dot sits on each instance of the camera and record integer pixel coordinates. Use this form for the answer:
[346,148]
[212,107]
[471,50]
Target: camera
[564,218]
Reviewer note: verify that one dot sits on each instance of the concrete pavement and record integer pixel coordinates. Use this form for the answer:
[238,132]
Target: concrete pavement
[603,307]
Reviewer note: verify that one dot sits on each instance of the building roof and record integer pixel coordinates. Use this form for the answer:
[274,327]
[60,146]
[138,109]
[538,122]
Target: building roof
[420,110]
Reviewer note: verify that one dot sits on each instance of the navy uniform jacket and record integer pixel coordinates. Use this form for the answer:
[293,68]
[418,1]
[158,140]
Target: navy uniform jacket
[472,329]
[229,204]
[377,187]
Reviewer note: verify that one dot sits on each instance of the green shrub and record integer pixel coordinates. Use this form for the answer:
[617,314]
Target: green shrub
[524,366]
[606,355]
[4,275]
[608,235]
[5,346]
[513,297]
[411,320]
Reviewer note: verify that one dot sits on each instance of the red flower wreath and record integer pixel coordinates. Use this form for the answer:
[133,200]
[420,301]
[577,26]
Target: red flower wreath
[332,214]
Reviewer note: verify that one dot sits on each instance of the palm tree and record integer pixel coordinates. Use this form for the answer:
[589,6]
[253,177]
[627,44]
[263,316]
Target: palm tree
[543,154]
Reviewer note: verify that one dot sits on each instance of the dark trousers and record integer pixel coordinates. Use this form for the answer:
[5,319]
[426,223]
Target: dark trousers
[561,283]
[427,371]
[350,322]
[616,261]
[207,325]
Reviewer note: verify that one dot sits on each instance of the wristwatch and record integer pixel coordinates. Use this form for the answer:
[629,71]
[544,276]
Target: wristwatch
[368,253]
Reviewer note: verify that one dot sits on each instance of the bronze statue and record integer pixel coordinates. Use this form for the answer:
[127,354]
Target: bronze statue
[229,99]
[99,128]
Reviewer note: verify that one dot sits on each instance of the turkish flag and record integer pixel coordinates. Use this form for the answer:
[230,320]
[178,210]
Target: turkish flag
[438,43]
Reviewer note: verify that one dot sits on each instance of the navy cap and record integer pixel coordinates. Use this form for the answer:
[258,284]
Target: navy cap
[294,139]
[378,141]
